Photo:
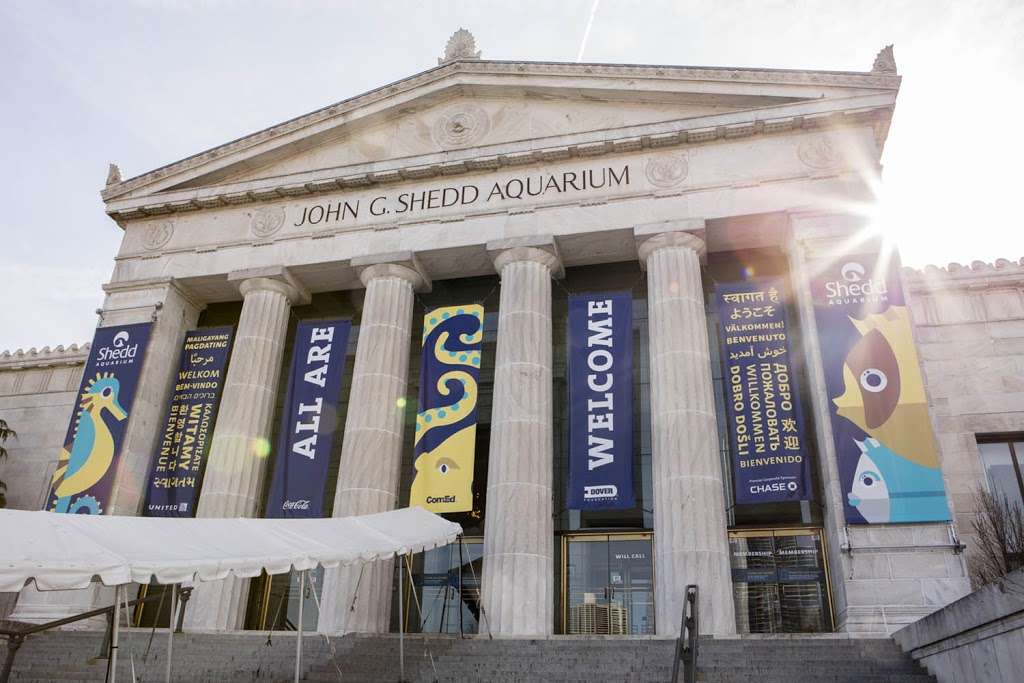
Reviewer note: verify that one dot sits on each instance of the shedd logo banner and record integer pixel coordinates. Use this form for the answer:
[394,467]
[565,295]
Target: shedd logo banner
[180,458]
[446,421]
[601,401]
[309,419]
[87,464]
[888,459]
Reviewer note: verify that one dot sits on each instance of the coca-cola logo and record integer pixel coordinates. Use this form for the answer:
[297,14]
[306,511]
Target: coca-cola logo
[295,505]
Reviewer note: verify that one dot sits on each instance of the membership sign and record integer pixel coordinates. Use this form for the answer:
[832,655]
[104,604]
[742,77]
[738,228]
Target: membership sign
[87,464]
[601,401]
[309,420]
[769,458]
[180,458]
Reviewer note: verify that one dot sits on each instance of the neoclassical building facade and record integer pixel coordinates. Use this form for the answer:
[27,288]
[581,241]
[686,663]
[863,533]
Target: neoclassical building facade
[519,186]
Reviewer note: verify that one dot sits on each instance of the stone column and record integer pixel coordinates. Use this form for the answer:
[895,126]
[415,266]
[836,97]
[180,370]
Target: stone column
[172,312]
[233,481]
[690,536]
[518,570]
[371,453]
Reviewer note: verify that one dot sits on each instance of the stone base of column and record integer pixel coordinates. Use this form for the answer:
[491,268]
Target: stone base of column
[370,612]
[518,609]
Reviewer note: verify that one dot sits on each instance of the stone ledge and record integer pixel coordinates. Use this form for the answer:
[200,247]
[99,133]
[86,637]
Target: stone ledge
[19,359]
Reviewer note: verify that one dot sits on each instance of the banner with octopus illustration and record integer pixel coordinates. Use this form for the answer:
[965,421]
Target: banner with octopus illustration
[601,402]
[309,419]
[446,421]
[87,464]
[187,429]
[765,425]
[888,458]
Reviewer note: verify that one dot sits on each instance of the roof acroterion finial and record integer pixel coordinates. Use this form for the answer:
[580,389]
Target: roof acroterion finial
[113,175]
[461,45]
[885,62]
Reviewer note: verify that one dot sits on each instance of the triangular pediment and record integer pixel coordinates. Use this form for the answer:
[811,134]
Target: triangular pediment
[492,108]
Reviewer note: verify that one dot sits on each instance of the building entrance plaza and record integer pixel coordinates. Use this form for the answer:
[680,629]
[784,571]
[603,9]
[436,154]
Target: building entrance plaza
[517,186]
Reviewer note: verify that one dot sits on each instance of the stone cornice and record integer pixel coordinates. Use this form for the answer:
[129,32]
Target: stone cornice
[874,111]
[20,359]
[979,275]
[847,79]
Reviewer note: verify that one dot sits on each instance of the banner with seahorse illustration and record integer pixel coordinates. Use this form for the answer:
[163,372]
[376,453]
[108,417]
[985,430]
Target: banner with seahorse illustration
[87,464]
[888,458]
[446,422]
[186,432]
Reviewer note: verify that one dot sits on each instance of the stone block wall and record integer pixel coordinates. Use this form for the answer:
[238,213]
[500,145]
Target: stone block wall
[969,323]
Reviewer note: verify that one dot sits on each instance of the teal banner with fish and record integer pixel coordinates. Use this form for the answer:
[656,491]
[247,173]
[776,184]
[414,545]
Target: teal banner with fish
[888,458]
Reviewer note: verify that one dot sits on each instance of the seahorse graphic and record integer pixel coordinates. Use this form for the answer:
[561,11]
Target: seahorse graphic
[446,434]
[85,460]
[898,478]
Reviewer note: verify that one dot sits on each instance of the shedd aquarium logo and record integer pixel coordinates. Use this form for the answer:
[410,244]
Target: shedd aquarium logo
[855,287]
[120,351]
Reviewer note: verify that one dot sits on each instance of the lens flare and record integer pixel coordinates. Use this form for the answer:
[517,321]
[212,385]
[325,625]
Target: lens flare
[400,402]
[261,447]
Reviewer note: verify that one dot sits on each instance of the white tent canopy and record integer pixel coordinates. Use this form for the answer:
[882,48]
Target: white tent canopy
[67,551]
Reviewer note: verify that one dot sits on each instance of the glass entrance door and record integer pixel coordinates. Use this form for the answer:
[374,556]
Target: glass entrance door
[780,581]
[608,584]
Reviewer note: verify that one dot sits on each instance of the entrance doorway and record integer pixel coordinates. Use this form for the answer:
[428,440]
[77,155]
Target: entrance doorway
[780,581]
[608,584]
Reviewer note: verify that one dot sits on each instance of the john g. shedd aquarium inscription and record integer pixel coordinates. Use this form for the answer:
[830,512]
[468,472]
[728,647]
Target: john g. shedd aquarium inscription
[515,188]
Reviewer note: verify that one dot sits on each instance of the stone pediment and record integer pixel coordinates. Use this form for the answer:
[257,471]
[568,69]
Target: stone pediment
[484,109]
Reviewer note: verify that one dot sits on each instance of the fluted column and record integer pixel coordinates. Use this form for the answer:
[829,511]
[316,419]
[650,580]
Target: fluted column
[690,534]
[518,571]
[233,481]
[371,453]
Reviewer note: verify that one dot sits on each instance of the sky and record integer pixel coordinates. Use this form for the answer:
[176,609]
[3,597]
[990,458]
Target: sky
[145,83]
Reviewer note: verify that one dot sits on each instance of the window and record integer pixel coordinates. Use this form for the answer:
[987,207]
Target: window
[1003,458]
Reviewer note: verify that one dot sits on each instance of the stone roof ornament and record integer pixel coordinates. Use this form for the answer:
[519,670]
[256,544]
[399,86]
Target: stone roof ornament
[462,45]
[113,175]
[885,62]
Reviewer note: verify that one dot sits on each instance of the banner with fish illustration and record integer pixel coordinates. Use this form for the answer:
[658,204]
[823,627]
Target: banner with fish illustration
[446,422]
[765,424]
[888,459]
[180,458]
[601,402]
[309,419]
[87,464]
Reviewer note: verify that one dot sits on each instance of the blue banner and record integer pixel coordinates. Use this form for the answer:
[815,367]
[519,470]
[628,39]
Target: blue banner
[309,419]
[180,458]
[888,459]
[87,464]
[601,401]
[770,462]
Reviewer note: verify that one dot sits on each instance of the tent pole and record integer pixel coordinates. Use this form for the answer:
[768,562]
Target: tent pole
[401,622]
[113,638]
[298,639]
[170,628]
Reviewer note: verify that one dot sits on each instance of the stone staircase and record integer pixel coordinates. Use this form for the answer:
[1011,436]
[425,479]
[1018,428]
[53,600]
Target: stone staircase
[69,656]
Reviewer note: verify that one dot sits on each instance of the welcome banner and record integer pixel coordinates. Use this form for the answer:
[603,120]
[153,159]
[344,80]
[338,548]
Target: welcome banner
[309,420]
[769,457]
[446,422]
[180,458]
[601,401]
[87,463]
[888,459]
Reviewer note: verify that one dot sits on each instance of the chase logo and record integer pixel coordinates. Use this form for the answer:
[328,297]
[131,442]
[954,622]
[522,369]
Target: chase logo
[600,492]
[120,351]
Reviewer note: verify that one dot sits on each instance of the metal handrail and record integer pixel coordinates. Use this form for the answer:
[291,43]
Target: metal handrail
[687,642]
[15,637]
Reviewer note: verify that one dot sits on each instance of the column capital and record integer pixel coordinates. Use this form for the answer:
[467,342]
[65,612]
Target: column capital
[540,249]
[273,278]
[401,264]
[650,237]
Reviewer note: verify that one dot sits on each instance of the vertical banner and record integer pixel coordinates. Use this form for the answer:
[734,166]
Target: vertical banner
[446,421]
[888,459]
[601,401]
[769,459]
[87,463]
[309,419]
[180,458]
